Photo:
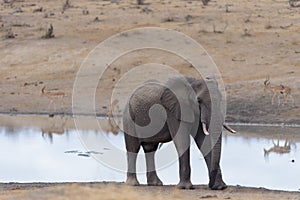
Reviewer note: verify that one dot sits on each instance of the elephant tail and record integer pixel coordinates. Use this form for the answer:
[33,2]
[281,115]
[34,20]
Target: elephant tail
[128,120]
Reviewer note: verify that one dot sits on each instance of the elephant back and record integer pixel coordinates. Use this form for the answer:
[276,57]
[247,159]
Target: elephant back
[142,100]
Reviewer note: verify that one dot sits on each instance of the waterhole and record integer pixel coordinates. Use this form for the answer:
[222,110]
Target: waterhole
[43,149]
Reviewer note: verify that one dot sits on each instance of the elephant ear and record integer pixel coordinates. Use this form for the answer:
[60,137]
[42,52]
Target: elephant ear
[179,104]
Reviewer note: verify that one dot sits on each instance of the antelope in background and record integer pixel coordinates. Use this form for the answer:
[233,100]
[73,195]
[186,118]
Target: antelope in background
[286,148]
[110,125]
[53,95]
[278,90]
[55,128]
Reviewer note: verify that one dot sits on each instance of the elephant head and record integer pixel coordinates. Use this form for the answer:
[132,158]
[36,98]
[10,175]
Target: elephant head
[191,100]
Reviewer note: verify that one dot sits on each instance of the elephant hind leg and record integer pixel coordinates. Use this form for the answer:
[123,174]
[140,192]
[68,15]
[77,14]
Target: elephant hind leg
[133,147]
[181,137]
[152,178]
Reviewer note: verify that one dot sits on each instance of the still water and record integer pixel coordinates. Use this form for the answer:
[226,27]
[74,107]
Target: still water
[40,149]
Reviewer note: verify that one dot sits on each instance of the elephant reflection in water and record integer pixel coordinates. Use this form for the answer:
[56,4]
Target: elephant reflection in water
[57,126]
[278,149]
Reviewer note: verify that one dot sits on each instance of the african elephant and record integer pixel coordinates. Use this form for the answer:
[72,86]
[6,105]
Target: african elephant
[158,113]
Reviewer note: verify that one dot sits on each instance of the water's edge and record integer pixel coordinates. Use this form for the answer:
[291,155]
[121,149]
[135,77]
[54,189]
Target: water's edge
[32,185]
[104,116]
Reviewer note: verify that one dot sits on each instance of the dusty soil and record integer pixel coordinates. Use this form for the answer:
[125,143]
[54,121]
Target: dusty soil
[120,191]
[247,40]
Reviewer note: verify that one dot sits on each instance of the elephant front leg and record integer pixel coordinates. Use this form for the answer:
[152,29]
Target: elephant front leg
[132,147]
[181,139]
[215,177]
[185,171]
[131,169]
[212,157]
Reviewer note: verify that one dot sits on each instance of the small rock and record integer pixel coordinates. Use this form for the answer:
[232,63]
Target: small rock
[18,10]
[208,196]
[188,17]
[38,10]
[96,19]
[169,19]
[146,10]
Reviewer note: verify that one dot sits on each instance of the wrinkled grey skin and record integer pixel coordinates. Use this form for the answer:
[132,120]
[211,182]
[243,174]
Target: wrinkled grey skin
[182,120]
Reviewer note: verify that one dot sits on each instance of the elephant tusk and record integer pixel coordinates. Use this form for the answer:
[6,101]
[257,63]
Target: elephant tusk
[229,129]
[204,129]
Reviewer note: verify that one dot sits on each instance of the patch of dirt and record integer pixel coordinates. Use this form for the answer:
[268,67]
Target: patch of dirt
[256,106]
[120,191]
[247,40]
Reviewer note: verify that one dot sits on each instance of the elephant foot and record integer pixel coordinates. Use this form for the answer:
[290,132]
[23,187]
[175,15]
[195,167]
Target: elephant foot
[217,182]
[132,181]
[153,180]
[218,186]
[185,185]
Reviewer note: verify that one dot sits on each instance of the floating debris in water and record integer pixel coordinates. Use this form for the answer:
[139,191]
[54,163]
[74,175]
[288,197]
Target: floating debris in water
[72,151]
[83,154]
[93,152]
